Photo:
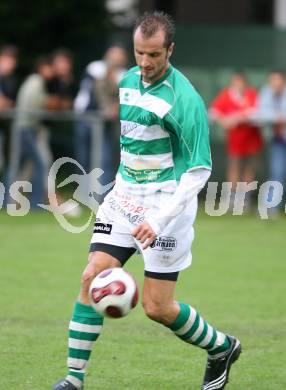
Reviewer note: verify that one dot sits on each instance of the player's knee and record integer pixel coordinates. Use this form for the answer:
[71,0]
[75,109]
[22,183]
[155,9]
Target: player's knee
[154,311]
[92,269]
[96,264]
[87,276]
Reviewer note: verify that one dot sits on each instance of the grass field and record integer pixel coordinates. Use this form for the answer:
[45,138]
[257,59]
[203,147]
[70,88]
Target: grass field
[237,282]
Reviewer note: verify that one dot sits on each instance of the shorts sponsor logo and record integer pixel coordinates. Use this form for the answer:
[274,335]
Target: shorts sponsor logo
[164,244]
[125,208]
[104,228]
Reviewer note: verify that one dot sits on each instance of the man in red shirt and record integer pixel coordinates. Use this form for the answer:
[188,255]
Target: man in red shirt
[231,109]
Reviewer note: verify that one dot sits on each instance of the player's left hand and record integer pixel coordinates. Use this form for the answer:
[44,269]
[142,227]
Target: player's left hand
[145,234]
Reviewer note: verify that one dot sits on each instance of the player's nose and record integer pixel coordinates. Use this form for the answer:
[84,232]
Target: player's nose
[145,61]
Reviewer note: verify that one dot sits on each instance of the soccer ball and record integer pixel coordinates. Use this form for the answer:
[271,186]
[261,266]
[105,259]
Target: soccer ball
[113,293]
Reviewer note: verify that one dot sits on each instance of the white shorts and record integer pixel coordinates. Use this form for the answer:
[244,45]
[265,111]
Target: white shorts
[118,216]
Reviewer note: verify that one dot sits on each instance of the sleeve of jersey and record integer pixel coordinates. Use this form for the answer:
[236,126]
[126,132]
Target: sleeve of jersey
[194,135]
[190,185]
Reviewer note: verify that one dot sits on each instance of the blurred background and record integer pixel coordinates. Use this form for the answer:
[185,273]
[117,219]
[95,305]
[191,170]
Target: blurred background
[72,105]
[60,64]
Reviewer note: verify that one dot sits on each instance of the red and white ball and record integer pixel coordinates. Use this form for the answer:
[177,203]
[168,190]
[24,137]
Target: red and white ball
[113,293]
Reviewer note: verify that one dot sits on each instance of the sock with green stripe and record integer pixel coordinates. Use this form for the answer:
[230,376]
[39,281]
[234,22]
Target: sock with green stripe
[190,327]
[84,329]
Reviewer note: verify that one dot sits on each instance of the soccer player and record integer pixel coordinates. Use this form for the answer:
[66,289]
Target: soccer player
[165,162]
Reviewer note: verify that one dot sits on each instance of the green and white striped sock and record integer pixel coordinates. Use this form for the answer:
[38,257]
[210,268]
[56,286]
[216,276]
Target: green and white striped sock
[190,327]
[84,329]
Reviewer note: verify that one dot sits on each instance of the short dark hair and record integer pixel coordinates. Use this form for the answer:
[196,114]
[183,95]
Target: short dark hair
[9,50]
[279,71]
[42,61]
[239,73]
[151,22]
[62,52]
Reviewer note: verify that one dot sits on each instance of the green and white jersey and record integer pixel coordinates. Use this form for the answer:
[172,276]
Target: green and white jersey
[164,131]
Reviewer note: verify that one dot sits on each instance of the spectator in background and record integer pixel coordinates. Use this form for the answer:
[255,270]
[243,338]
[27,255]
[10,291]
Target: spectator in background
[232,109]
[271,111]
[106,92]
[99,90]
[60,89]
[32,99]
[8,92]
[62,85]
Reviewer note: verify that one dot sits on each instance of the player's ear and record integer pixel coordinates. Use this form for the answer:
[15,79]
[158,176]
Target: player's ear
[170,50]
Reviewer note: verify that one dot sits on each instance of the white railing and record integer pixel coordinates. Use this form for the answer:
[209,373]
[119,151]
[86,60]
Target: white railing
[93,118]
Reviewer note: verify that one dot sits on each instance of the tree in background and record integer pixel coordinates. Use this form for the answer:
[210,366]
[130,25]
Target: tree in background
[39,27]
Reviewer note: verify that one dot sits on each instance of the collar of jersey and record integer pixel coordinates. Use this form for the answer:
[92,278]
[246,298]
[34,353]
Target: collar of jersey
[158,82]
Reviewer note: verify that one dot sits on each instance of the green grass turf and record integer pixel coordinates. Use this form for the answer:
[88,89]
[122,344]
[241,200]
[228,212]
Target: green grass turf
[237,282]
